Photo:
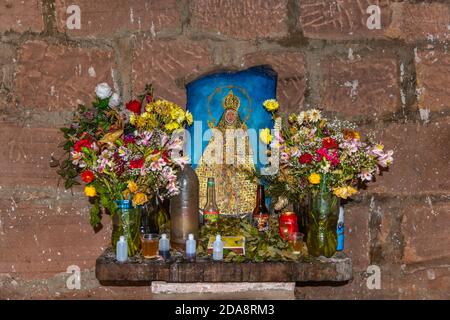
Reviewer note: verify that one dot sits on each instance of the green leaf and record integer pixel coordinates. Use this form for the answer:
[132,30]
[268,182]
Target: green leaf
[95,217]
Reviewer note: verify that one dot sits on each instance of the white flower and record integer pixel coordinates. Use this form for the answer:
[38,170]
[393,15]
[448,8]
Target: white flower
[103,90]
[302,117]
[114,101]
[314,115]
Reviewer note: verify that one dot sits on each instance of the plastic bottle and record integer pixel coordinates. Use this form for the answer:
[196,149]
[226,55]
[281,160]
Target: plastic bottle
[218,249]
[184,209]
[190,248]
[122,250]
[340,230]
[164,246]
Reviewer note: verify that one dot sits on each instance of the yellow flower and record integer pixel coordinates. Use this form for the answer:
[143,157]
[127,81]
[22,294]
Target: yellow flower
[140,123]
[90,191]
[126,194]
[351,134]
[292,118]
[139,199]
[344,192]
[133,119]
[132,186]
[265,136]
[314,178]
[177,114]
[171,126]
[271,105]
[189,118]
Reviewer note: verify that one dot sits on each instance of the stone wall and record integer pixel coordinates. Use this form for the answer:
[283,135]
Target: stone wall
[393,80]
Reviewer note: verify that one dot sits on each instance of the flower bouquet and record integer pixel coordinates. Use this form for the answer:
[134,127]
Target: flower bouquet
[326,161]
[124,156]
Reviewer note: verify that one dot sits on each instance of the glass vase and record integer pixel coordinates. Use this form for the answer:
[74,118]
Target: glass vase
[323,217]
[301,209]
[127,222]
[154,216]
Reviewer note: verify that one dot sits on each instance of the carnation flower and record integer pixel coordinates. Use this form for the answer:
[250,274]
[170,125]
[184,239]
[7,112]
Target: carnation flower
[80,144]
[139,199]
[305,158]
[136,164]
[314,178]
[329,143]
[134,106]
[90,191]
[114,100]
[87,176]
[103,90]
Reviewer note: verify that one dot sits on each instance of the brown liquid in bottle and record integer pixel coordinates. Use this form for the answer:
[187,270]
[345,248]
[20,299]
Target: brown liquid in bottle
[261,213]
[211,211]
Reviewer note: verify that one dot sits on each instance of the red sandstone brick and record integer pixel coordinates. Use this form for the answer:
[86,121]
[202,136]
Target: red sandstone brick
[241,19]
[341,20]
[367,85]
[433,72]
[420,21]
[356,244]
[292,74]
[167,62]
[425,227]
[421,159]
[109,17]
[55,77]
[21,16]
[7,62]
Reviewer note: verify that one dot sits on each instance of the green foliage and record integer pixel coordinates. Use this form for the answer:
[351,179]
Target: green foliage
[259,246]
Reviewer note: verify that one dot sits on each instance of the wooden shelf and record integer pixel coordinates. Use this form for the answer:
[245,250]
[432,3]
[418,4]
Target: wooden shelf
[139,271]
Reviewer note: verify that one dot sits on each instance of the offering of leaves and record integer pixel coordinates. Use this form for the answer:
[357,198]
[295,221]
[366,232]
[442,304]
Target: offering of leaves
[259,246]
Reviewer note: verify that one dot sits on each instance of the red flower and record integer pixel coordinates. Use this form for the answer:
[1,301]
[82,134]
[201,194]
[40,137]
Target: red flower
[82,143]
[137,164]
[329,143]
[134,106]
[305,158]
[87,176]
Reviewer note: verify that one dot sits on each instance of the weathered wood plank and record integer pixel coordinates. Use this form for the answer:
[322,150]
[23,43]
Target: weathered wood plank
[140,271]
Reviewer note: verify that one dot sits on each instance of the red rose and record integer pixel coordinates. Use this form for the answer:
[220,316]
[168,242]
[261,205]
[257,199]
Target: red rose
[134,106]
[137,164]
[82,143]
[305,158]
[329,143]
[87,176]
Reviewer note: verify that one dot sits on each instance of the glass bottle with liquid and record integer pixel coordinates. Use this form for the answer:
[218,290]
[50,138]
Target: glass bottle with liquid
[261,213]
[211,210]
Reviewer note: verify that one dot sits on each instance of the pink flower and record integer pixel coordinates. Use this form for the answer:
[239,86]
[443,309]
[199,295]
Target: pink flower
[386,159]
[157,165]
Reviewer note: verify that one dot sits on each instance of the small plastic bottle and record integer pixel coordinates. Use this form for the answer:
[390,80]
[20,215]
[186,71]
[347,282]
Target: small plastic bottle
[164,246]
[190,248]
[218,249]
[122,250]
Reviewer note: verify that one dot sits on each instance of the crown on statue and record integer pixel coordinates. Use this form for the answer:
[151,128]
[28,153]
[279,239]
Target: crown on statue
[231,102]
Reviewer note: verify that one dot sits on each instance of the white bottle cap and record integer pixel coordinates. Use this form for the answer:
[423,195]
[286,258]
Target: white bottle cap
[164,236]
[218,238]
[191,236]
[122,239]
